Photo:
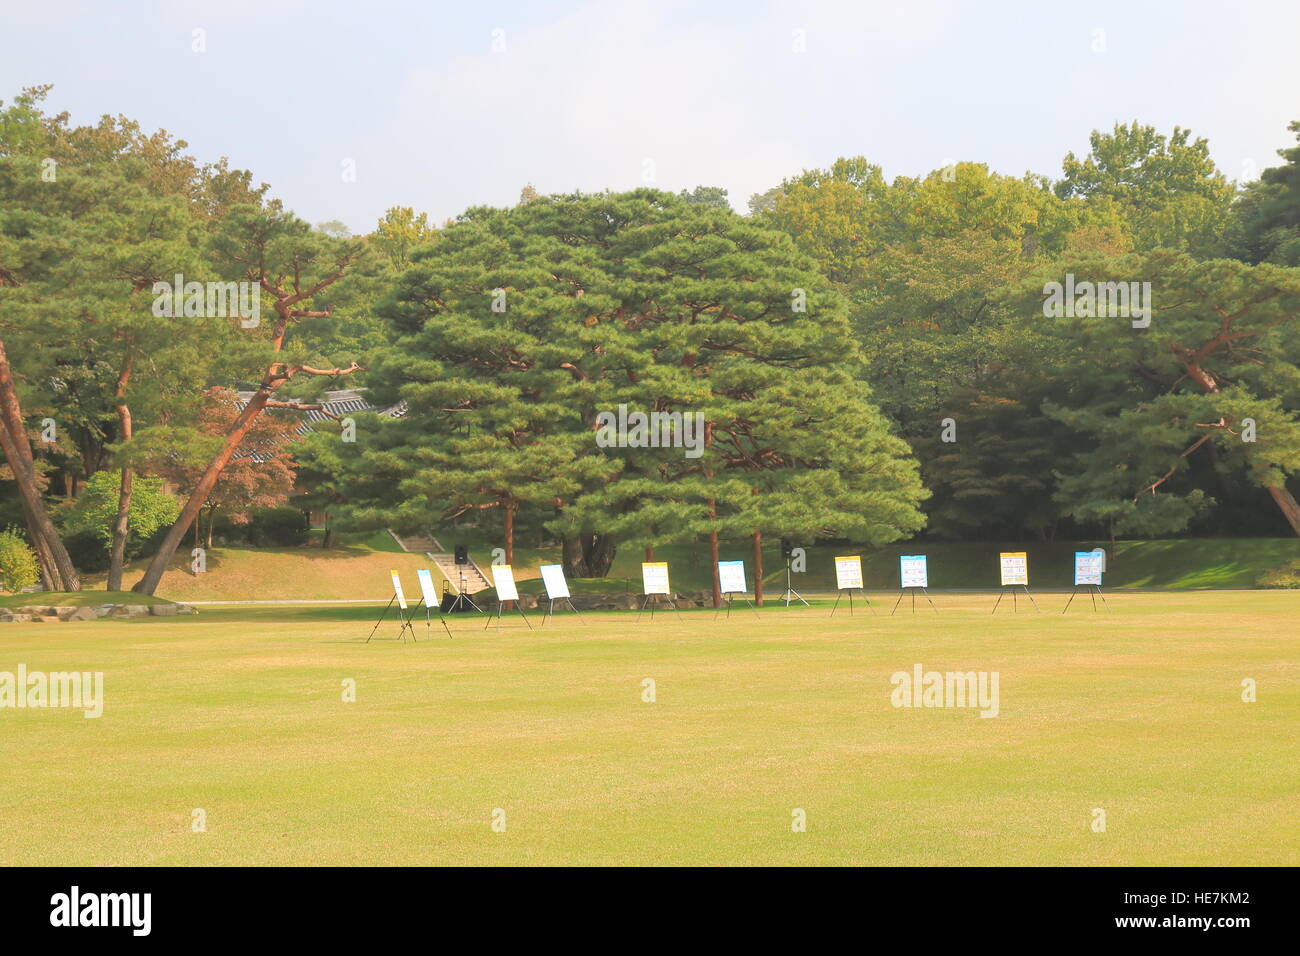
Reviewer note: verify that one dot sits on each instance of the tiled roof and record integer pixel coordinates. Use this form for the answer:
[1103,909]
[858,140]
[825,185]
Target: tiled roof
[341,404]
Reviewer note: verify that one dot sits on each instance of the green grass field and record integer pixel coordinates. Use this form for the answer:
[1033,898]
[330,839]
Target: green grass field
[239,712]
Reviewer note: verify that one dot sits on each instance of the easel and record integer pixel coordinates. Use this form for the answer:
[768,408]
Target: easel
[498,615]
[461,595]
[1094,590]
[551,610]
[406,622]
[1012,588]
[850,591]
[729,596]
[428,621]
[646,602]
[790,591]
[913,589]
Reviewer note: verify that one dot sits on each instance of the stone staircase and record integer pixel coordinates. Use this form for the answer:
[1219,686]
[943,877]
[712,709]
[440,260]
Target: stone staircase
[445,562]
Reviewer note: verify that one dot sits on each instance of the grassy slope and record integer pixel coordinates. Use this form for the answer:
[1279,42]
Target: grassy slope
[238,711]
[360,570]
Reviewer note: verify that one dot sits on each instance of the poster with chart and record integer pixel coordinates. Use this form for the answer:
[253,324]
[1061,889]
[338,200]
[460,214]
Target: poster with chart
[654,577]
[912,571]
[731,577]
[1088,566]
[1015,568]
[848,572]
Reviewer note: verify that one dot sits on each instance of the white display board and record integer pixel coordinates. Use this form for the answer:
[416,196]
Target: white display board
[503,579]
[427,589]
[397,590]
[654,577]
[913,571]
[848,572]
[553,578]
[731,577]
[1088,566]
[1015,568]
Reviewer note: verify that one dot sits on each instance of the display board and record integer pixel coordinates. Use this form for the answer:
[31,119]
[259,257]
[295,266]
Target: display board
[553,578]
[1015,568]
[397,590]
[848,572]
[1088,566]
[654,577]
[731,577]
[427,589]
[913,571]
[503,579]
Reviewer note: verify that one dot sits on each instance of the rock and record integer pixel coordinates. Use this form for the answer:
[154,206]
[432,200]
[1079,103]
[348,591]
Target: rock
[163,610]
[186,609]
[82,614]
[11,617]
[128,610]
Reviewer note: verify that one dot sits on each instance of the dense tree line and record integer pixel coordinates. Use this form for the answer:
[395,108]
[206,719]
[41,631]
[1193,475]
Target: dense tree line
[868,359]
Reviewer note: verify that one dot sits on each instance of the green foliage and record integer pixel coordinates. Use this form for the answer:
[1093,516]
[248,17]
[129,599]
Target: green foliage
[1268,212]
[1166,187]
[95,511]
[643,300]
[18,565]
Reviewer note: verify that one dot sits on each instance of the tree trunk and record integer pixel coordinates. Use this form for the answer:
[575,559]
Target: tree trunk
[713,563]
[153,574]
[122,524]
[1287,504]
[758,568]
[121,527]
[56,565]
[588,555]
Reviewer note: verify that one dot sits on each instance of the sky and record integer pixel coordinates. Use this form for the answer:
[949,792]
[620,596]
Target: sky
[349,108]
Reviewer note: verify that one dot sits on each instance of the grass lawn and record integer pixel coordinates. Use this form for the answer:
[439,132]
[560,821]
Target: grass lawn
[239,712]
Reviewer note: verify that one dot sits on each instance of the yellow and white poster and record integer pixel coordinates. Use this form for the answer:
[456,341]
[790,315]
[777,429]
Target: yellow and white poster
[848,572]
[654,577]
[1015,568]
[397,590]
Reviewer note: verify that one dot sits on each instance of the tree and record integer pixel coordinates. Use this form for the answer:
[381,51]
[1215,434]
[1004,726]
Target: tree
[291,266]
[19,568]
[96,511]
[1210,376]
[521,328]
[1268,212]
[1166,187]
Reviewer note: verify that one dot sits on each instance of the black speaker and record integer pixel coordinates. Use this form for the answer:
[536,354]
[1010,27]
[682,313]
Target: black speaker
[462,554]
[787,549]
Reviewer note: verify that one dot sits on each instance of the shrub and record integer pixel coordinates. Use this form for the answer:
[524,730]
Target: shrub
[18,565]
[1287,576]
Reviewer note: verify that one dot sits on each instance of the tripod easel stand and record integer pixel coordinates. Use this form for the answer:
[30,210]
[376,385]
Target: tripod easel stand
[904,590]
[400,598]
[1012,588]
[849,592]
[1094,590]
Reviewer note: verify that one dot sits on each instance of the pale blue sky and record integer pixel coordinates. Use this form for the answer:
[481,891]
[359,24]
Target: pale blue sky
[584,93]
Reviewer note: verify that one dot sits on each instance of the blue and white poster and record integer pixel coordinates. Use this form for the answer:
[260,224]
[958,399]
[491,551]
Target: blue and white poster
[912,571]
[1088,566]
